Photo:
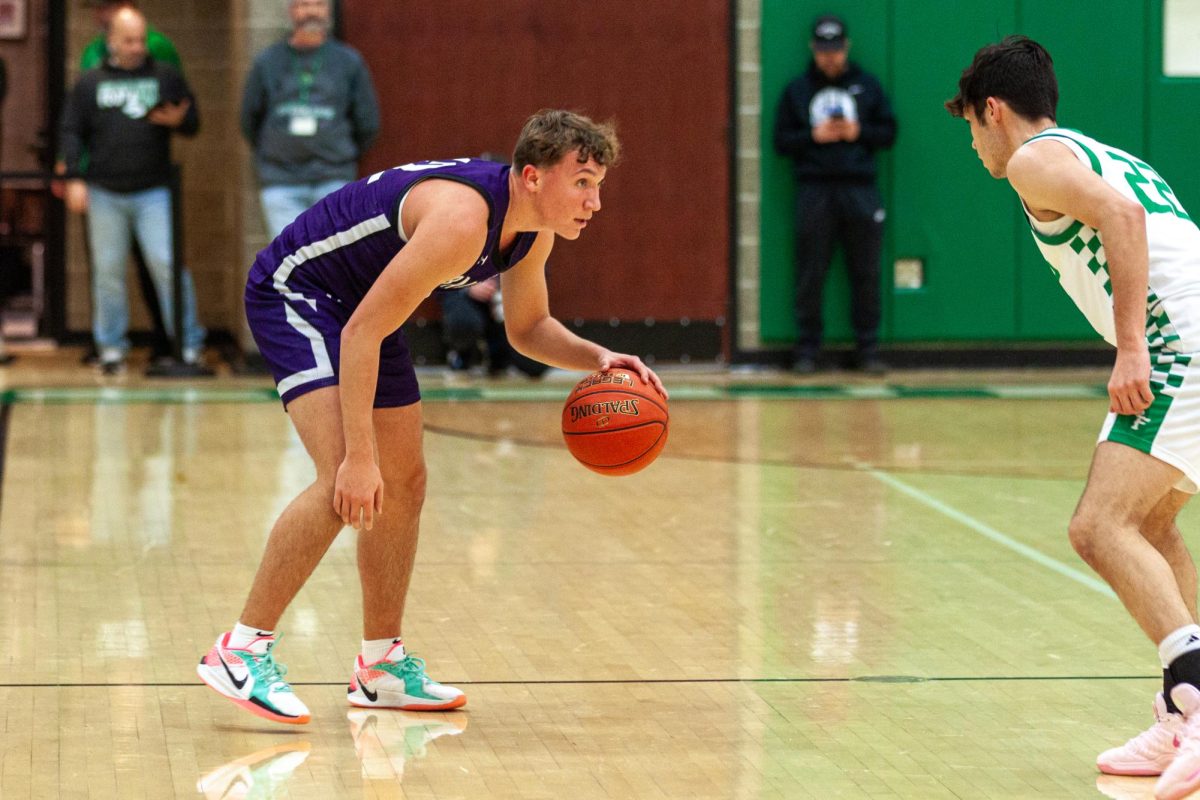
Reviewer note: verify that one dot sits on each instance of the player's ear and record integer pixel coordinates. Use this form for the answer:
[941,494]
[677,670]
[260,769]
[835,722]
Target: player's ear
[531,176]
[993,109]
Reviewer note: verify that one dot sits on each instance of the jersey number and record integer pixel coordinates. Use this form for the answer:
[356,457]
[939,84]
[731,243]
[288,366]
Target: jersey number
[421,165]
[1142,177]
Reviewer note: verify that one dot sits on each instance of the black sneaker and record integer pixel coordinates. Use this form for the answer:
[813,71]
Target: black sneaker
[804,365]
[871,365]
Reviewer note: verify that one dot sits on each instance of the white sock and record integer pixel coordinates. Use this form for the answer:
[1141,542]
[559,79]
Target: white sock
[378,649]
[1178,642]
[242,636]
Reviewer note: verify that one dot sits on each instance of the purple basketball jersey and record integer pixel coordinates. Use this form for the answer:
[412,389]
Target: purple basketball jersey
[343,243]
[305,285]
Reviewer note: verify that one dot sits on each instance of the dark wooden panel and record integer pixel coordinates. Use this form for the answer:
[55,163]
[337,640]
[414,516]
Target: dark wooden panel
[459,77]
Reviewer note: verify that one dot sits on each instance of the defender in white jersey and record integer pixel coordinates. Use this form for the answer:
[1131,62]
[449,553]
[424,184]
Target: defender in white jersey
[1128,254]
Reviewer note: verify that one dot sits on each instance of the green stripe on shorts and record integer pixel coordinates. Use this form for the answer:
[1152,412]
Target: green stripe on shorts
[1139,430]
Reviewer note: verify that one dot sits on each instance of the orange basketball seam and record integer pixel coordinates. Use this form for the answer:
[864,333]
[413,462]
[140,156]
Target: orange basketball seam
[621,463]
[617,430]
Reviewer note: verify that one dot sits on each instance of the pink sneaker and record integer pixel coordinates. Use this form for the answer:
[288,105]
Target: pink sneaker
[1150,752]
[1183,776]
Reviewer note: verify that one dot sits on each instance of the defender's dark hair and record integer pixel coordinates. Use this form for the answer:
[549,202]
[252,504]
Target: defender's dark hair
[1018,71]
[550,134]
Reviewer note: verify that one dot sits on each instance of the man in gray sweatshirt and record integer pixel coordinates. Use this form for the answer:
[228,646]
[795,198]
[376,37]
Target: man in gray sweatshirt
[309,111]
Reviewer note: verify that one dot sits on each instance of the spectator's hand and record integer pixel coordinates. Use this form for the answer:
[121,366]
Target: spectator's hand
[610,360]
[77,196]
[169,115]
[59,188]
[484,291]
[828,131]
[849,130]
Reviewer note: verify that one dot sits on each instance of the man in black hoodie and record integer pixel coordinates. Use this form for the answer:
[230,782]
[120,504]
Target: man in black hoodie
[123,114]
[831,121]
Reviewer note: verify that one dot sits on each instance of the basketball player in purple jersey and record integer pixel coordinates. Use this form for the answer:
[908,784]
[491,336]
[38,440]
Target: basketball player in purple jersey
[325,302]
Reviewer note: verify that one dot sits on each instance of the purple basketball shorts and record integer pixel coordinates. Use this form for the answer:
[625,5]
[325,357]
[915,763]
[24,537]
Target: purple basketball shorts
[299,335]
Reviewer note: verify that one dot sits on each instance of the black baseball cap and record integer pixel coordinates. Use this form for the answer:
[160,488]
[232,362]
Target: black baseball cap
[828,33]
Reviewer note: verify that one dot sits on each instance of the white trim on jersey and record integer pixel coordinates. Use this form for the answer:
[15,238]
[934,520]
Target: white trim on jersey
[400,215]
[340,239]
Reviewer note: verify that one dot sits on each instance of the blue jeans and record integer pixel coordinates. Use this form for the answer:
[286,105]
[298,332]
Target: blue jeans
[283,202]
[112,218]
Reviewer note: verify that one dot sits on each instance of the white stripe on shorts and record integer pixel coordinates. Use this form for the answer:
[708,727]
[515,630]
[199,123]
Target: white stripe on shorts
[324,367]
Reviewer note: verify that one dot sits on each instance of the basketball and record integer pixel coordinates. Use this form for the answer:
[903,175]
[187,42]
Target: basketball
[614,423]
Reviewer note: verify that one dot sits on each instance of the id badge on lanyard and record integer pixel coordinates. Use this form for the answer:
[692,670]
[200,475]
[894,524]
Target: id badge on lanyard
[302,125]
[303,121]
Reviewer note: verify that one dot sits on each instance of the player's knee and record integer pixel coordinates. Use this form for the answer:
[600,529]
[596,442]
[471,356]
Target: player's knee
[407,485]
[1083,532]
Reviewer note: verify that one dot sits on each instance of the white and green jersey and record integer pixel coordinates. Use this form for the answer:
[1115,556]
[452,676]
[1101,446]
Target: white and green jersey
[1076,252]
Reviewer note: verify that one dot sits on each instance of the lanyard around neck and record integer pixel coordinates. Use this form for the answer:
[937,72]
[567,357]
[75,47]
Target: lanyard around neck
[306,77]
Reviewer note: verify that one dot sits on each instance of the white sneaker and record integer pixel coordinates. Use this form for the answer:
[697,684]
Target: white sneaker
[400,684]
[252,679]
[1150,752]
[1183,776]
[112,360]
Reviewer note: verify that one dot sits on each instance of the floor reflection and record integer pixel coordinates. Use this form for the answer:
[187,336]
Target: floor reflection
[258,775]
[1120,787]
[385,740]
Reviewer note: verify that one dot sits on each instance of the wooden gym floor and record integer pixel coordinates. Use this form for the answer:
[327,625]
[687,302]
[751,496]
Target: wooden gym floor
[830,588]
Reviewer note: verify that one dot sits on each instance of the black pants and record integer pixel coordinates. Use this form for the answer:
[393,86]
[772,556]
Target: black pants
[829,214]
[466,320]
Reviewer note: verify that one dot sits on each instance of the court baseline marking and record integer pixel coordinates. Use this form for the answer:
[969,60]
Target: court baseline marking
[634,681]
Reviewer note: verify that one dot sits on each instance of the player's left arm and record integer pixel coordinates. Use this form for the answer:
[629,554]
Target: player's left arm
[532,330]
[1048,176]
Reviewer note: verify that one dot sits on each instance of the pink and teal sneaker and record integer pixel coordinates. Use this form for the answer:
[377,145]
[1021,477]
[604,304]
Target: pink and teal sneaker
[252,679]
[400,684]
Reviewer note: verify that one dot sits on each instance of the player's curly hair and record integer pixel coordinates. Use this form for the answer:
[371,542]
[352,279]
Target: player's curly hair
[1018,71]
[551,134]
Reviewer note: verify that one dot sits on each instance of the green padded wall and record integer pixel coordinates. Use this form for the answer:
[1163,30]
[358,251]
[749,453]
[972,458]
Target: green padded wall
[984,278]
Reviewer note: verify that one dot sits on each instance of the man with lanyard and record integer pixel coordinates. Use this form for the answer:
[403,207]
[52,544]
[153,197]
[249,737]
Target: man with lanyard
[309,112]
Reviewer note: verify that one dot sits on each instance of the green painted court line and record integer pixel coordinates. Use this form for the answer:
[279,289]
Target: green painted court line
[991,533]
[99,395]
[1048,392]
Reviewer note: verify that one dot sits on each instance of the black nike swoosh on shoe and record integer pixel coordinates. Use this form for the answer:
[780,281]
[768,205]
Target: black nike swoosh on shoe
[372,696]
[275,711]
[236,682]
